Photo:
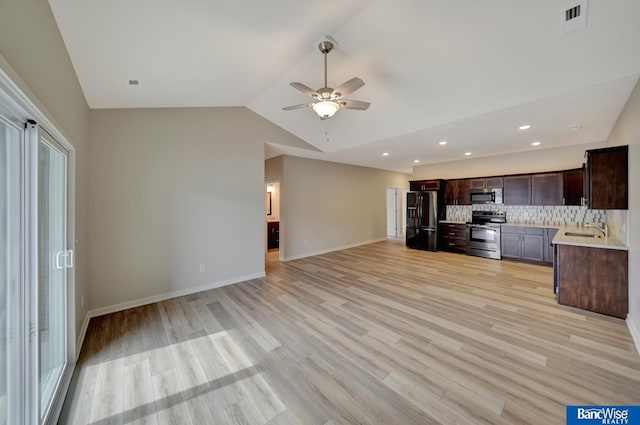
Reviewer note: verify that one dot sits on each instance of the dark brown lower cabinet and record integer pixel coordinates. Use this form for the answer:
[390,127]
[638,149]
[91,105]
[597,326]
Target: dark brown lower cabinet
[273,234]
[594,279]
[523,243]
[548,245]
[452,237]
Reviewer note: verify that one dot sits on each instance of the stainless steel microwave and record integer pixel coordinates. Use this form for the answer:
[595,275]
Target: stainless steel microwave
[486,196]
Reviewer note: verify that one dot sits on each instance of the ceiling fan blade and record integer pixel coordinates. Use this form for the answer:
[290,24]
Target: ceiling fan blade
[305,89]
[302,105]
[354,104]
[347,88]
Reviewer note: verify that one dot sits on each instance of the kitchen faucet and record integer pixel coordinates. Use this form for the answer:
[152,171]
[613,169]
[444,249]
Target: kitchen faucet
[604,230]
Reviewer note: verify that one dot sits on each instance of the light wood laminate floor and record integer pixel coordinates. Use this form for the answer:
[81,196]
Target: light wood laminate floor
[377,334]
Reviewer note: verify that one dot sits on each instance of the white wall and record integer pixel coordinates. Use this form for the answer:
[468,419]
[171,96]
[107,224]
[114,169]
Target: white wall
[327,206]
[273,169]
[537,160]
[171,190]
[35,58]
[627,132]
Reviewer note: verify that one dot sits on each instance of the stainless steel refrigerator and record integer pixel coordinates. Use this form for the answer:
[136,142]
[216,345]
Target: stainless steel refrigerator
[422,220]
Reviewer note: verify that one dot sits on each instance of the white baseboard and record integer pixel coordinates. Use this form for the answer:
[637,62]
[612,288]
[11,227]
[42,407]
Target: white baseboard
[83,333]
[635,332]
[325,251]
[155,298]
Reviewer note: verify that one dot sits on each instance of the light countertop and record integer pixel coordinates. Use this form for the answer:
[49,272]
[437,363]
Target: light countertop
[607,243]
[562,239]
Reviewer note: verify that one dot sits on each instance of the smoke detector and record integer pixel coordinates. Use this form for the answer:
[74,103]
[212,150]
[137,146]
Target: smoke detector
[574,16]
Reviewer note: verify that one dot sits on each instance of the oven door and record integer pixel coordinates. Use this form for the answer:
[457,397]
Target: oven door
[483,240]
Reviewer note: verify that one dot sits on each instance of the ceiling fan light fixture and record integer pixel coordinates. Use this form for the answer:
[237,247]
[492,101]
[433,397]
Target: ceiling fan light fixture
[330,100]
[326,108]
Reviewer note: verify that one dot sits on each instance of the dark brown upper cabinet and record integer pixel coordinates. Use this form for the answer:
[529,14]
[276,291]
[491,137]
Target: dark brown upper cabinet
[573,187]
[607,178]
[547,189]
[457,192]
[486,183]
[423,185]
[517,190]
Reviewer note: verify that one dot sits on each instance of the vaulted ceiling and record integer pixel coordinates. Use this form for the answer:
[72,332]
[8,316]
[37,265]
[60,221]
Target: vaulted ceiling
[467,72]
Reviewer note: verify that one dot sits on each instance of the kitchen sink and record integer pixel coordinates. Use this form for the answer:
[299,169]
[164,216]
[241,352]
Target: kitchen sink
[584,235]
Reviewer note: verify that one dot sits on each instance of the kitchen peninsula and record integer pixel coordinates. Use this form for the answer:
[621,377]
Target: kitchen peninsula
[591,272]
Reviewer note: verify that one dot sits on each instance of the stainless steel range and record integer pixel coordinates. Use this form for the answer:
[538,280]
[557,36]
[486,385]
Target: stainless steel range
[483,233]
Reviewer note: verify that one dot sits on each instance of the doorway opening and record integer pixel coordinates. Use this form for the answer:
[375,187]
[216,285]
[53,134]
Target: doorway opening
[272,221]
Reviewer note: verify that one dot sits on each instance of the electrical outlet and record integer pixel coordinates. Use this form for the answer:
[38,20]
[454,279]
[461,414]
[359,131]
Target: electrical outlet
[306,243]
[202,268]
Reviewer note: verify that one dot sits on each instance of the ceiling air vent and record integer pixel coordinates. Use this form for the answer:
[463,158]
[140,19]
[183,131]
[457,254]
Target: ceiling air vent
[575,17]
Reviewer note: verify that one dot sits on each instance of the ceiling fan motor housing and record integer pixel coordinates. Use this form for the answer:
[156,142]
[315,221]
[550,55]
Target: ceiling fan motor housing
[325,47]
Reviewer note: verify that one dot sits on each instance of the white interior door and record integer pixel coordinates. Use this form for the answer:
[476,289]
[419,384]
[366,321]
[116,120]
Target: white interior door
[403,208]
[392,212]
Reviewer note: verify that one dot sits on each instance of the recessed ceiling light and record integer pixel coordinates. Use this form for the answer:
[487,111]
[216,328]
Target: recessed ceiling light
[524,127]
[442,142]
[535,143]
[385,154]
[575,127]
[415,161]
[467,153]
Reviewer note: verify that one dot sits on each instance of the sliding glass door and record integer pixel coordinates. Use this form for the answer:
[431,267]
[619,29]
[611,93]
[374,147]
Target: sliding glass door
[53,261]
[36,297]
[11,315]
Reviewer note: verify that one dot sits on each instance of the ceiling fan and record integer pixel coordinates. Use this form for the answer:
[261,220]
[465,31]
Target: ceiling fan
[328,100]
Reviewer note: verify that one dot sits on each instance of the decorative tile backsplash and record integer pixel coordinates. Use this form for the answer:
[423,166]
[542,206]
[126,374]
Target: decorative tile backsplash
[617,221]
[529,214]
